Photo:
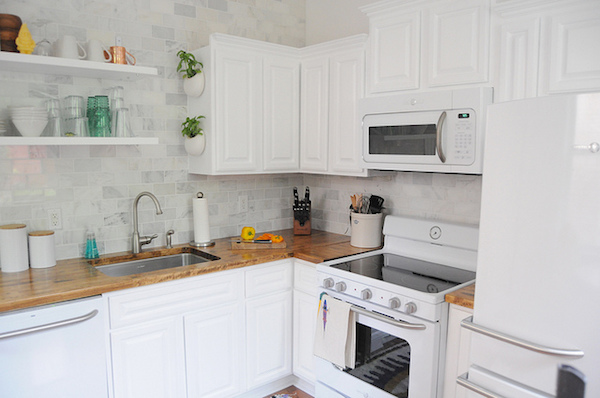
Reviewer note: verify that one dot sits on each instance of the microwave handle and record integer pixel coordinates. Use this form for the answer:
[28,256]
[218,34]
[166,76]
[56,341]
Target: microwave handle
[438,137]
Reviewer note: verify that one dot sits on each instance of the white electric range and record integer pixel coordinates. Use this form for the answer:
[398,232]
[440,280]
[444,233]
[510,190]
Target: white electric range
[398,294]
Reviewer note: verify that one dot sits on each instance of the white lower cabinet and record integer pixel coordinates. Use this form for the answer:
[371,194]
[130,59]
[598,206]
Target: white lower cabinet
[214,343]
[457,351]
[148,360]
[305,312]
[269,322]
[217,335]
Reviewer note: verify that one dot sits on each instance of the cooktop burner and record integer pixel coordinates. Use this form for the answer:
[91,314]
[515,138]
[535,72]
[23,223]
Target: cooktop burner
[408,272]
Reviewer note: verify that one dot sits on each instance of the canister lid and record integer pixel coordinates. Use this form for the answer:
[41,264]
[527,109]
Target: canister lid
[12,226]
[41,233]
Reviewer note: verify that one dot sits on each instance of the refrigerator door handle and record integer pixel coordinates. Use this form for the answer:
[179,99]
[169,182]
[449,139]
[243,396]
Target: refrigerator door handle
[463,380]
[560,352]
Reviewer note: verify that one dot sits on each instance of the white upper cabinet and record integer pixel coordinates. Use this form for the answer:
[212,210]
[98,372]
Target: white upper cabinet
[314,113]
[332,83]
[457,42]
[571,50]
[251,105]
[394,51]
[540,49]
[281,116]
[426,44]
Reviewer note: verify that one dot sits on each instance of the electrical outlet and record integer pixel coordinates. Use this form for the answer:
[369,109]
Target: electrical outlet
[243,203]
[54,219]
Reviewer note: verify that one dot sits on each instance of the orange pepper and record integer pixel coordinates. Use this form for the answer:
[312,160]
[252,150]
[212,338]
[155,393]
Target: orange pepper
[277,239]
[265,236]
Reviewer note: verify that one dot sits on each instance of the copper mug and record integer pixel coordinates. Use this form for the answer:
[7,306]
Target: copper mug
[121,56]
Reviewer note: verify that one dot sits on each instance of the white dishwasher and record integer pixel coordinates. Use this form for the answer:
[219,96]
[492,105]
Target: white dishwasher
[55,350]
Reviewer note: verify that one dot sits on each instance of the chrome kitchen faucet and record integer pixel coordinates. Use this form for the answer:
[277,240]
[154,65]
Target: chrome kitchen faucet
[139,241]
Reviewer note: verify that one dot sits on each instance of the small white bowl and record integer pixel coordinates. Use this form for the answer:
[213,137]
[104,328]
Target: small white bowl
[30,128]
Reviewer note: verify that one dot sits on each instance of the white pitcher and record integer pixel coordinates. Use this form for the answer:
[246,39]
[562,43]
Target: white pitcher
[97,52]
[68,47]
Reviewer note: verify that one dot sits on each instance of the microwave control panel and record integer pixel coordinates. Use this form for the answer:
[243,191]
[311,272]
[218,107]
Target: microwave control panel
[459,136]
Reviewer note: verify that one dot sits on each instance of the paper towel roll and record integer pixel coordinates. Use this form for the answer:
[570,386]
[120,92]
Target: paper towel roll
[201,226]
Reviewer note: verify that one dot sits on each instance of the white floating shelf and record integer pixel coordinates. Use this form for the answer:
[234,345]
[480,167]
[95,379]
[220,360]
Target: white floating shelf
[78,141]
[16,62]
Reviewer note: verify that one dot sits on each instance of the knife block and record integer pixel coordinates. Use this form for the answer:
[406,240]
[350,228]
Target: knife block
[302,219]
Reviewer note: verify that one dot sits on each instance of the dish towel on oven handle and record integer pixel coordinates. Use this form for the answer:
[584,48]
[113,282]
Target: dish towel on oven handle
[335,332]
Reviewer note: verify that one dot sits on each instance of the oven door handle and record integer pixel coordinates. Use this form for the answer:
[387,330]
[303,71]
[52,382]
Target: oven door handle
[389,320]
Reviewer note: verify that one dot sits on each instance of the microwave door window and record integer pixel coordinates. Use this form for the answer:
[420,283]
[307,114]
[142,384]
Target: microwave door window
[409,140]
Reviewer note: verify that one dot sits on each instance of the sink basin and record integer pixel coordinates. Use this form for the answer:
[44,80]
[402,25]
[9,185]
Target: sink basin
[155,263]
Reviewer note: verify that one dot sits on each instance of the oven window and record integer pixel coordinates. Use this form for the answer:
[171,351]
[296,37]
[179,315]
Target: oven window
[382,360]
[402,140]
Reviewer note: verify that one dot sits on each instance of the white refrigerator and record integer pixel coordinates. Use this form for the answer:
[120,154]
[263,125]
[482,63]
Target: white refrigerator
[537,297]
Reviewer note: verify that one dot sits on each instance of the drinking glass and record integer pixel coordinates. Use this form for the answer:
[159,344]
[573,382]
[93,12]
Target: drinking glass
[76,127]
[122,123]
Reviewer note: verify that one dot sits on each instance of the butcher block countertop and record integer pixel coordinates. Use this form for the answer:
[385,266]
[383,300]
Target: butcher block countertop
[463,297]
[77,278]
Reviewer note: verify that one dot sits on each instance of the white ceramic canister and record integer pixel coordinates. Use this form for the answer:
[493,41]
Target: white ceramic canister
[42,252]
[13,248]
[366,230]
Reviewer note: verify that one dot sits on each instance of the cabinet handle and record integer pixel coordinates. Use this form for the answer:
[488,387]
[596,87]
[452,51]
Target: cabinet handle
[47,326]
[438,137]
[463,381]
[559,352]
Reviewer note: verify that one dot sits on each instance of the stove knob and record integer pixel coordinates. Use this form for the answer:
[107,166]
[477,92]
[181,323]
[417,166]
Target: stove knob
[410,308]
[340,286]
[328,283]
[394,303]
[366,294]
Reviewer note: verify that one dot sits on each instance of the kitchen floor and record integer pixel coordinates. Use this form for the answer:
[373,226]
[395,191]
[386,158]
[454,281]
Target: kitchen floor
[292,391]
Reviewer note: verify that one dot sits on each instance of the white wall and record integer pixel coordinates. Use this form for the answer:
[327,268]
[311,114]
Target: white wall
[333,19]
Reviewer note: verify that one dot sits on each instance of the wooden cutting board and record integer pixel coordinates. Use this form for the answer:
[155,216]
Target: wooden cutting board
[256,246]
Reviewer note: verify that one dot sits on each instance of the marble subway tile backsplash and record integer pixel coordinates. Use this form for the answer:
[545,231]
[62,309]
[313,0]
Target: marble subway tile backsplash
[94,186]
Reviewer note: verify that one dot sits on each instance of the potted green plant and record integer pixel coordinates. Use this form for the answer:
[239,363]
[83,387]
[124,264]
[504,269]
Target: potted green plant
[193,78]
[195,141]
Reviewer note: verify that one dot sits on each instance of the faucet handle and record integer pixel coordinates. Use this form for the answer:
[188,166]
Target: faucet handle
[169,235]
[144,240]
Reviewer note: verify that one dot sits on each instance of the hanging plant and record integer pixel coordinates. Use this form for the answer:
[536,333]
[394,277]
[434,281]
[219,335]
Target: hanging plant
[191,127]
[188,64]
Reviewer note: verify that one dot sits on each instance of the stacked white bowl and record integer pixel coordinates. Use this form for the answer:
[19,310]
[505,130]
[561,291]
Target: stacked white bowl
[30,121]
[2,127]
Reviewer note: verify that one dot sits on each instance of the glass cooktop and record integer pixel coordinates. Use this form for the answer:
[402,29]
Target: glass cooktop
[408,272]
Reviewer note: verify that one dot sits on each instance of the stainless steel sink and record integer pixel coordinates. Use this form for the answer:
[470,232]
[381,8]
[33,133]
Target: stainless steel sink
[154,263]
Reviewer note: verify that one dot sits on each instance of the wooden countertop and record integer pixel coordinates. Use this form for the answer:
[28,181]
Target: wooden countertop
[77,278]
[463,297]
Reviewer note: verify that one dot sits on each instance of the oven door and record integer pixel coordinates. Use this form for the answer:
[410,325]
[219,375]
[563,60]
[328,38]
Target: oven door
[391,360]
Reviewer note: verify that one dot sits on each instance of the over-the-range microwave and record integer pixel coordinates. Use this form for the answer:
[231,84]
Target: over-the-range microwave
[441,131]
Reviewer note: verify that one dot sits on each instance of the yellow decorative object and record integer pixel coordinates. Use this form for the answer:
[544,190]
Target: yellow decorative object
[25,43]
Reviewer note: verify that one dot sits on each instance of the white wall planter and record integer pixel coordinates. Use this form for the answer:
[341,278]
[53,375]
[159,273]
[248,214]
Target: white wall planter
[194,86]
[195,146]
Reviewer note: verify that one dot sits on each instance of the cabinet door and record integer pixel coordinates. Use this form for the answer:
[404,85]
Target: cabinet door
[314,110]
[571,50]
[238,110]
[394,56]
[457,351]
[515,55]
[305,313]
[281,106]
[457,43]
[269,338]
[148,360]
[346,88]
[214,342]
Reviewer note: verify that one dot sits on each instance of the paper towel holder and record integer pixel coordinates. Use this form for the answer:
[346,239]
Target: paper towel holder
[200,195]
